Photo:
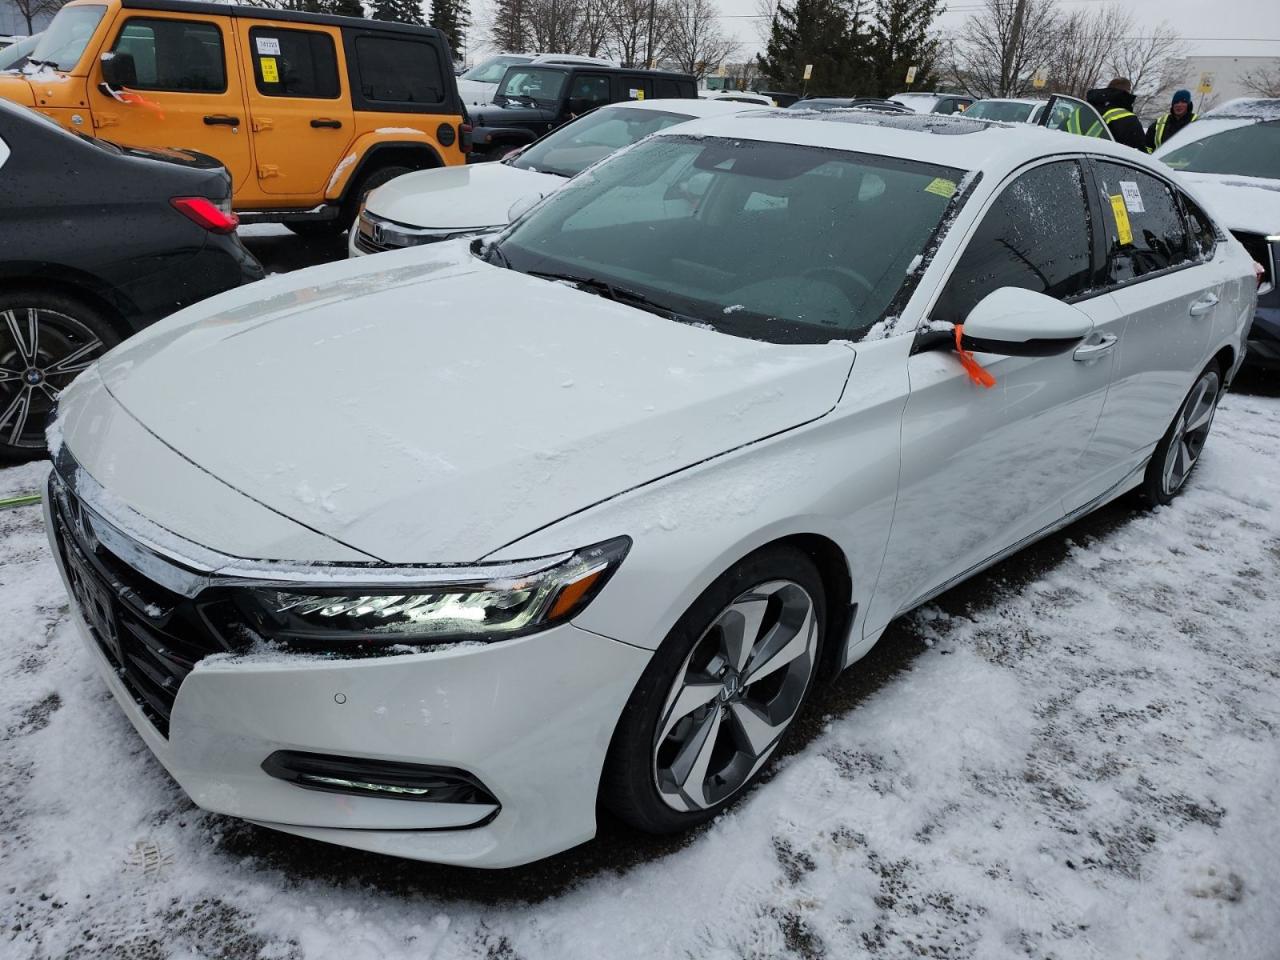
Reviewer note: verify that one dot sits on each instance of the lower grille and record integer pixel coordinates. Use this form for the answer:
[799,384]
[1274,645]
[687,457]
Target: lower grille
[152,637]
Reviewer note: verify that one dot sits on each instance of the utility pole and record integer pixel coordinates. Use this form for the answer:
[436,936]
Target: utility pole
[648,50]
[1009,63]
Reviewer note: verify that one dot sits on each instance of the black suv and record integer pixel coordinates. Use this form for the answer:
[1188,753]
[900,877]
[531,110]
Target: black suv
[534,98]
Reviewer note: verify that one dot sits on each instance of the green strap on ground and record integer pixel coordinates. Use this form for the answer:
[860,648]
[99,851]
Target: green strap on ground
[26,500]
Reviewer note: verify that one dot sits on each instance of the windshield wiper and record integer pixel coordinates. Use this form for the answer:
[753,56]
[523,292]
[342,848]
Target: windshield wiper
[631,298]
[43,63]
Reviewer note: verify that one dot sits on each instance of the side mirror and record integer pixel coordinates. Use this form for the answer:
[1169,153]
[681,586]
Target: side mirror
[119,70]
[522,206]
[1015,322]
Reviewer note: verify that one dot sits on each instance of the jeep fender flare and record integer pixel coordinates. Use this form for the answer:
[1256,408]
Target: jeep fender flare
[371,149]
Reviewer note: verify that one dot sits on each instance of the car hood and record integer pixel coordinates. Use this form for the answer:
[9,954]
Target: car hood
[432,408]
[473,195]
[499,115]
[475,93]
[1249,204]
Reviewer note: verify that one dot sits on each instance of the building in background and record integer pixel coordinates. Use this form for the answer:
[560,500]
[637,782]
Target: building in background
[1214,80]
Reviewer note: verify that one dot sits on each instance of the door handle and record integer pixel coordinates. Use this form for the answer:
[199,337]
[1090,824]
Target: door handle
[331,124]
[221,120]
[1204,305]
[1093,351]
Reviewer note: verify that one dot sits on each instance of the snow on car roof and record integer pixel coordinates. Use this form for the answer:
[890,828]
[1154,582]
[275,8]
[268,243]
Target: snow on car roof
[1246,108]
[693,107]
[952,140]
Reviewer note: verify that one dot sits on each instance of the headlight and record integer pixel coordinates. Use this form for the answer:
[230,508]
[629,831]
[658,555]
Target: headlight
[468,606]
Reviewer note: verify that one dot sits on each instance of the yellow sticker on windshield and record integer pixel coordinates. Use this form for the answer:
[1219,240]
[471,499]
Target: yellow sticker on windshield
[942,187]
[269,72]
[1124,232]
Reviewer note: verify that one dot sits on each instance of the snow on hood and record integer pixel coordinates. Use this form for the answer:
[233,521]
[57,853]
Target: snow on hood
[476,94]
[458,198]
[1250,204]
[427,407]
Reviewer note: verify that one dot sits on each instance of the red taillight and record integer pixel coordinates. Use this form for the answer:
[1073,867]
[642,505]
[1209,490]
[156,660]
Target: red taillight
[464,137]
[206,213]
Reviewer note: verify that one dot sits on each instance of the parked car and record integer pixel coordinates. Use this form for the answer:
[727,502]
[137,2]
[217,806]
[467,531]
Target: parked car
[434,205]
[1231,157]
[844,103]
[780,97]
[533,99]
[934,102]
[623,486]
[14,56]
[307,112]
[477,86]
[98,242]
[1057,112]
[742,96]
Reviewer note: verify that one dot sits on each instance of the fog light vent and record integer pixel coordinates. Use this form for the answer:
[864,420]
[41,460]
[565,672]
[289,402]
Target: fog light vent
[377,778]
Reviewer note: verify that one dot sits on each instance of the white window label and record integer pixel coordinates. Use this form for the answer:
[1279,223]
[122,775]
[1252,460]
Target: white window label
[268,46]
[1132,196]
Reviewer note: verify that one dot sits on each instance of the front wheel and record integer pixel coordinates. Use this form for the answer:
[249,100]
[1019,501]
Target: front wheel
[46,340]
[719,694]
[1180,448]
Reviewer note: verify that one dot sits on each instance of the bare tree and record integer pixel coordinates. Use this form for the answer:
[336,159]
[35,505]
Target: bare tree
[554,26]
[1084,45]
[30,9]
[766,13]
[595,26]
[696,41]
[629,30]
[1001,48]
[1263,81]
[1150,62]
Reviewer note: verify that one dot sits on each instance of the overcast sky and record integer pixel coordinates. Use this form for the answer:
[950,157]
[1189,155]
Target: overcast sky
[1212,27]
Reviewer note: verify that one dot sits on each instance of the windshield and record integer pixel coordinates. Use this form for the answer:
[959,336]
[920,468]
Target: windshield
[1005,110]
[491,70]
[536,82]
[1252,151]
[16,55]
[574,147]
[773,241]
[67,36]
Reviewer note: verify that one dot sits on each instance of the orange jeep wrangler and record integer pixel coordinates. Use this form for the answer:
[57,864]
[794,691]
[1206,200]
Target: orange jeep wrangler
[307,112]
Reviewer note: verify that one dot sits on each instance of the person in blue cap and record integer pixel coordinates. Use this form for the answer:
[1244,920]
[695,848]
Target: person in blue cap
[1181,112]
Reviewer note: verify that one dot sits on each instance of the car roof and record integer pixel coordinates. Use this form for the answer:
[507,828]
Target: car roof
[602,68]
[951,140]
[691,106]
[1246,108]
[267,13]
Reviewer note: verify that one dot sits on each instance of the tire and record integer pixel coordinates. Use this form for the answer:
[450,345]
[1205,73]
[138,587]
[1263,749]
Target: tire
[370,182]
[1179,450]
[696,693]
[69,336]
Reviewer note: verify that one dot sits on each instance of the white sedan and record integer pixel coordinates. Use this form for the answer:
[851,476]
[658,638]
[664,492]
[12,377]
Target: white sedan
[426,553]
[428,206]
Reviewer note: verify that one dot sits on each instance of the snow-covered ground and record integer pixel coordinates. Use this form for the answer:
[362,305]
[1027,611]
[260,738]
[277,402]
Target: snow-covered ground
[1083,763]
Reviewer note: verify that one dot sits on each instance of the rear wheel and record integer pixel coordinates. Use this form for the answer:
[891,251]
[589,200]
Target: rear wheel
[46,339]
[1179,450]
[719,694]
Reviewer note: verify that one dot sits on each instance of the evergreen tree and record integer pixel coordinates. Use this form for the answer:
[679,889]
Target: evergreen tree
[398,11]
[452,18]
[346,8]
[901,40]
[831,35]
[510,31]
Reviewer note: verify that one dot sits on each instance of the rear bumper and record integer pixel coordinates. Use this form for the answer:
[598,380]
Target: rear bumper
[1264,338]
[531,718]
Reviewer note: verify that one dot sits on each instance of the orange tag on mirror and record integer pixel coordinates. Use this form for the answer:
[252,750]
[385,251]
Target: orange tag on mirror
[977,372]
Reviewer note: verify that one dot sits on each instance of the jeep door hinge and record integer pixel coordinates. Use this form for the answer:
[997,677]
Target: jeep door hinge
[105,119]
[262,123]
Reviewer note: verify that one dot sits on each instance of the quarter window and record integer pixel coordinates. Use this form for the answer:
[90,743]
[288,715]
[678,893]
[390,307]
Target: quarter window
[294,63]
[1146,232]
[184,56]
[398,71]
[1036,236]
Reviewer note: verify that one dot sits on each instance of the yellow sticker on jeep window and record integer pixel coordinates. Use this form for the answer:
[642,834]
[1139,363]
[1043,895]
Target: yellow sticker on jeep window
[269,72]
[1124,232]
[942,187]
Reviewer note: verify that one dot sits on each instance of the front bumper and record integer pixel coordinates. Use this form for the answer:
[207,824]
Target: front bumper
[374,234]
[530,717]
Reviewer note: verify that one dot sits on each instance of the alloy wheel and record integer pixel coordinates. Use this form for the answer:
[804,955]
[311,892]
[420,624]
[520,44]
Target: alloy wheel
[1190,431]
[734,695]
[41,352]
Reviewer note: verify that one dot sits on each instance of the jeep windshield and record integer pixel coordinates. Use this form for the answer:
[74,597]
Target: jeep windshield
[491,70]
[773,241]
[576,146]
[68,34]
[531,83]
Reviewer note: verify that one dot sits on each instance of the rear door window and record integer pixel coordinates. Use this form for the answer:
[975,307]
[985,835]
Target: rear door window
[398,70]
[635,88]
[294,63]
[1036,236]
[588,91]
[185,56]
[1145,229]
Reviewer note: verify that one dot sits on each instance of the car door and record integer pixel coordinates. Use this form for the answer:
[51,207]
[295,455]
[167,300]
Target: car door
[186,91]
[632,86]
[586,92]
[1168,295]
[300,109]
[1073,116]
[983,469]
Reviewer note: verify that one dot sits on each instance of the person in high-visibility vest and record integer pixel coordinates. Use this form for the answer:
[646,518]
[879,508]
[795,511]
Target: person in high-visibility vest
[1115,103]
[1181,112]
